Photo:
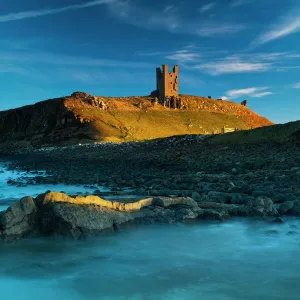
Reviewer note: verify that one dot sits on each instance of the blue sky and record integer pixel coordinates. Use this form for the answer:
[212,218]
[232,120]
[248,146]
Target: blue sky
[235,49]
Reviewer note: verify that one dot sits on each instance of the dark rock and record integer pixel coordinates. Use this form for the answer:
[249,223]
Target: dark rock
[196,196]
[261,193]
[231,209]
[212,214]
[19,219]
[58,214]
[237,199]
[296,208]
[219,197]
[286,207]
[234,171]
[261,206]
[247,198]
[235,189]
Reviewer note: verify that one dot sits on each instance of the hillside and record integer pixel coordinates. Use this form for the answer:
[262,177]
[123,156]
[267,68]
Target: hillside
[81,117]
[277,133]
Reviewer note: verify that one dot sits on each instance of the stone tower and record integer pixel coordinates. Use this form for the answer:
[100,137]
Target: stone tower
[167,85]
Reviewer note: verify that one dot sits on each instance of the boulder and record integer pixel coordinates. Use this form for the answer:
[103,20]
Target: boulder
[237,199]
[80,95]
[168,202]
[219,197]
[261,206]
[19,219]
[213,214]
[231,209]
[261,193]
[296,208]
[286,207]
[196,196]
[59,214]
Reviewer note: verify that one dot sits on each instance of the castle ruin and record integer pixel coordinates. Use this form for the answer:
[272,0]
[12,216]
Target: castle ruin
[167,87]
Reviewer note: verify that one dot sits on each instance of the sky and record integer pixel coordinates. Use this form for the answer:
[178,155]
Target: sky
[229,49]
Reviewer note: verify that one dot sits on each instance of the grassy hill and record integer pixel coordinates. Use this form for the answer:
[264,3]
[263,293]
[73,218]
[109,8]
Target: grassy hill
[80,118]
[277,133]
[137,118]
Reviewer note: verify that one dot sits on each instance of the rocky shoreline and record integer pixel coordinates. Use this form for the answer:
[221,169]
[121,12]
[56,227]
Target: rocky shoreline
[57,214]
[223,180]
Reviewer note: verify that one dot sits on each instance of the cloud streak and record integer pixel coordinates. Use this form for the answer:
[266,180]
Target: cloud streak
[44,12]
[256,92]
[218,29]
[264,94]
[236,3]
[169,19]
[247,91]
[207,7]
[231,65]
[183,56]
[243,63]
[287,25]
[33,58]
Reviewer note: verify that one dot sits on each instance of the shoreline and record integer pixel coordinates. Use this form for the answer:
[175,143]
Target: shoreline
[223,180]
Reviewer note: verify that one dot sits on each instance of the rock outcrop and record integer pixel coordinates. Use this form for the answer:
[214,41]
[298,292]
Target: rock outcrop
[83,117]
[44,121]
[19,219]
[59,214]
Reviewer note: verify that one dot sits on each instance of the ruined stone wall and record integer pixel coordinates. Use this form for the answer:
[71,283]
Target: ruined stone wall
[167,83]
[160,83]
[171,83]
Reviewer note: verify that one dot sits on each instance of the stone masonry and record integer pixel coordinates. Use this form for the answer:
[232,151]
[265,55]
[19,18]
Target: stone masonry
[167,87]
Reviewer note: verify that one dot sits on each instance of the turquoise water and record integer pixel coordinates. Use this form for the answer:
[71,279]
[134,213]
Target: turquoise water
[239,259]
[234,260]
[11,193]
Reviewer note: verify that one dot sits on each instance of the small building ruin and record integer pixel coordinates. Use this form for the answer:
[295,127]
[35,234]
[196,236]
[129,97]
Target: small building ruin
[167,86]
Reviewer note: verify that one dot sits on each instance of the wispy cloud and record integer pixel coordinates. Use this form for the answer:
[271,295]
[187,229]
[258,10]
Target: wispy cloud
[170,18]
[49,11]
[213,29]
[138,16]
[256,92]
[207,7]
[285,26]
[236,3]
[34,57]
[247,91]
[296,86]
[264,94]
[232,65]
[245,62]
[183,56]
[224,98]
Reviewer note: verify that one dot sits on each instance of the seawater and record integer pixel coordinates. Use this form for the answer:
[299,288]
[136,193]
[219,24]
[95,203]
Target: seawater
[11,193]
[239,259]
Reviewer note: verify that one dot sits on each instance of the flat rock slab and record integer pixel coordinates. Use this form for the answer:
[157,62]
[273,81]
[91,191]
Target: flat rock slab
[59,214]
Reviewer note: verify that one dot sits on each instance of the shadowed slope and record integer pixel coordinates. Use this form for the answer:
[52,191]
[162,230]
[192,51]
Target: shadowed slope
[277,133]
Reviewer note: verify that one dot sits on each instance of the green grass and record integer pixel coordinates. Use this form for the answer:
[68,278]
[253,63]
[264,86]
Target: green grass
[134,126]
[275,133]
